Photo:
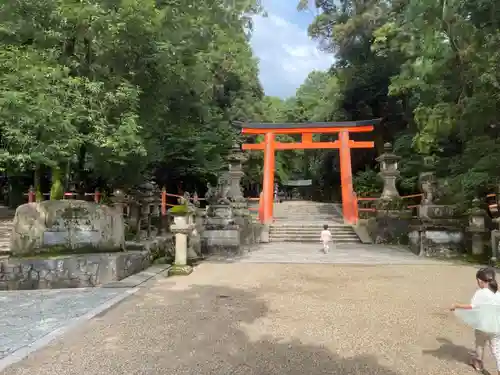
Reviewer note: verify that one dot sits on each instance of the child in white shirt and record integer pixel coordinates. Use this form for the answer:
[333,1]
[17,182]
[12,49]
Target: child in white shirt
[326,238]
[486,295]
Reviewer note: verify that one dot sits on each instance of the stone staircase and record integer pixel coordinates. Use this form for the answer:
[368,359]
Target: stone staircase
[302,221]
[6,218]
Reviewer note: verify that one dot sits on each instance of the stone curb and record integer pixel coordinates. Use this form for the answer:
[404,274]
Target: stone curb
[133,283]
[22,353]
[138,279]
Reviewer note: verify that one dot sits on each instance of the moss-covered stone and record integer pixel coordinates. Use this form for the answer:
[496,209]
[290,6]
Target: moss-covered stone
[180,210]
[179,270]
[59,251]
[66,226]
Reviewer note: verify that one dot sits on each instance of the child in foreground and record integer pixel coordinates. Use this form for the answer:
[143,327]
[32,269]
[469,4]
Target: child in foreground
[485,295]
[326,238]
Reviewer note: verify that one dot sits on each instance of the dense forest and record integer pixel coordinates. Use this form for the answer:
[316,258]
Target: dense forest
[117,92]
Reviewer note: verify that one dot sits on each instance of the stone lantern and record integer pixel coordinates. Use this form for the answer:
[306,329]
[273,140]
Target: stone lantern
[119,200]
[235,159]
[389,172]
[146,202]
[477,227]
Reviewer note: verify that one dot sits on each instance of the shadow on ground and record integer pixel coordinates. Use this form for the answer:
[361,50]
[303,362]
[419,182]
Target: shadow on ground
[218,332]
[449,351]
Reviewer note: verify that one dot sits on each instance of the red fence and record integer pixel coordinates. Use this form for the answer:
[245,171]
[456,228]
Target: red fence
[367,204]
[96,196]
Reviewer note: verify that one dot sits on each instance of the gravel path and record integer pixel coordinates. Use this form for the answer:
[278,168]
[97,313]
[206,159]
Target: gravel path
[266,319]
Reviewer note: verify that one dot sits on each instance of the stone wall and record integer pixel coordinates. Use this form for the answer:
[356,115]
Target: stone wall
[232,240]
[389,229]
[71,271]
[436,241]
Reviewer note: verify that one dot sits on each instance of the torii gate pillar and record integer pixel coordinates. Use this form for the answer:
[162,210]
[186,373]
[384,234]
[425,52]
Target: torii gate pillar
[268,177]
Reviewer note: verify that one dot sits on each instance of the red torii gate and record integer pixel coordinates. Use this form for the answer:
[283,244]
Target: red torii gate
[344,144]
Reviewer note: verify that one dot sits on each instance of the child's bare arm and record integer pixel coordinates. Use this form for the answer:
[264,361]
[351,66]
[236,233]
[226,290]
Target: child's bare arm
[460,306]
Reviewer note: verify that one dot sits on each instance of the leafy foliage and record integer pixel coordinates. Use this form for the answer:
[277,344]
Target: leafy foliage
[124,89]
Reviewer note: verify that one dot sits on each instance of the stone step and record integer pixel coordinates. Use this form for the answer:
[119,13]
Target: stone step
[313,239]
[311,233]
[306,225]
[305,218]
[309,230]
[309,240]
[5,231]
[310,227]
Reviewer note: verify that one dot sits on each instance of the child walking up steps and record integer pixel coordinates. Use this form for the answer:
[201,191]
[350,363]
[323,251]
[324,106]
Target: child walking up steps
[326,238]
[483,314]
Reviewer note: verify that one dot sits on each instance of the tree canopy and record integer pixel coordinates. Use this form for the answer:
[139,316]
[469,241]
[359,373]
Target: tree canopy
[429,69]
[124,90]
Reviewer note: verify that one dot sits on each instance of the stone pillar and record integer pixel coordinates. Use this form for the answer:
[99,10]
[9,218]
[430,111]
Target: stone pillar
[120,200]
[495,241]
[181,229]
[477,228]
[389,172]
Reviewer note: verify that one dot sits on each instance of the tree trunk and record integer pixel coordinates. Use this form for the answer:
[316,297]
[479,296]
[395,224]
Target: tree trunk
[38,183]
[56,190]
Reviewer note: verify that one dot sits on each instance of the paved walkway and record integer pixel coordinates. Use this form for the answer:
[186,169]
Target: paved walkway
[30,318]
[292,252]
[275,319]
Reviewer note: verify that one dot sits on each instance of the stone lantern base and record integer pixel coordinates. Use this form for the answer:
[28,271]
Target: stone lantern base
[436,233]
[180,270]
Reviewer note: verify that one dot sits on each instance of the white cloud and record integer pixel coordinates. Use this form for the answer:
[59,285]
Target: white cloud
[287,54]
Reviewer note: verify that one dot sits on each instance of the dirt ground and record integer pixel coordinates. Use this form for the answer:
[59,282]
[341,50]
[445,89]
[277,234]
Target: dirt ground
[242,319]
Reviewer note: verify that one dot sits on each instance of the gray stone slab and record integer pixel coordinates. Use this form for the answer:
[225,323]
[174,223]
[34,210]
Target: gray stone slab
[340,254]
[31,319]
[139,278]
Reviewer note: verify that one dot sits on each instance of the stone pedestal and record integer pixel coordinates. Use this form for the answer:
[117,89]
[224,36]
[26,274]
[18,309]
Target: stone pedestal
[390,227]
[221,234]
[436,233]
[477,229]
[495,241]
[182,228]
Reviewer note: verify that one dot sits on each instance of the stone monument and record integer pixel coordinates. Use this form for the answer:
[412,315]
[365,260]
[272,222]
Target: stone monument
[68,244]
[66,226]
[436,231]
[221,233]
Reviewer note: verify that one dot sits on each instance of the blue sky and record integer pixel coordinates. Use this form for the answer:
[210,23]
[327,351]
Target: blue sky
[286,53]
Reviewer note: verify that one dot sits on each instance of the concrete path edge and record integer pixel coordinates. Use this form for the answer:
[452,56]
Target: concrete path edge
[136,280]
[22,353]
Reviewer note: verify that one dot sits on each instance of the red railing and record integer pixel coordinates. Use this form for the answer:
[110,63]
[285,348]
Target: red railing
[369,207]
[97,198]
[492,201]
